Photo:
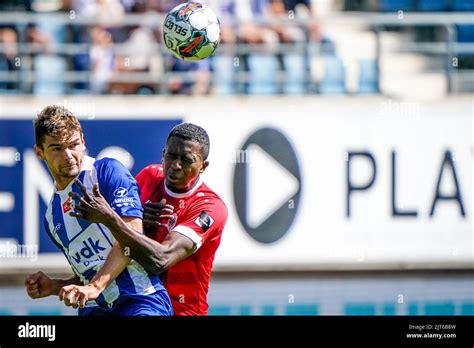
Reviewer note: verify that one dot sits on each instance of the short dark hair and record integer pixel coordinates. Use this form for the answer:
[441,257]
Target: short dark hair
[55,121]
[189,131]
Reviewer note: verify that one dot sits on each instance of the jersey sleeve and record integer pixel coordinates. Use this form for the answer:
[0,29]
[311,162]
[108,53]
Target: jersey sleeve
[205,220]
[142,177]
[119,188]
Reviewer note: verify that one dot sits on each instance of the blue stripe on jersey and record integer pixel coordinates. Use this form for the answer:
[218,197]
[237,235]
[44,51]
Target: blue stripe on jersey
[100,300]
[58,221]
[125,283]
[83,223]
[89,274]
[156,281]
[119,187]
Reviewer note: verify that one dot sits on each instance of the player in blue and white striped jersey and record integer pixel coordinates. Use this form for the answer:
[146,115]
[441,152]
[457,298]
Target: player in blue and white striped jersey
[96,259]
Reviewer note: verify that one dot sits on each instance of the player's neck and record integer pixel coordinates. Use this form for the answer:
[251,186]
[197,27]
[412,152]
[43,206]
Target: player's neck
[62,182]
[185,189]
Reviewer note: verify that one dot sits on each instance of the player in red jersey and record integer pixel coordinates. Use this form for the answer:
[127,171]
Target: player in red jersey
[184,220]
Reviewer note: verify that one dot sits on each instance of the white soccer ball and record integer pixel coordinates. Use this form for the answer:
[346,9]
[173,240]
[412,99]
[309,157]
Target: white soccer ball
[191,31]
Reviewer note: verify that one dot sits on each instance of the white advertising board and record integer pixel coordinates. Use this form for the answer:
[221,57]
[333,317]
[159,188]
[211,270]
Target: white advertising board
[318,183]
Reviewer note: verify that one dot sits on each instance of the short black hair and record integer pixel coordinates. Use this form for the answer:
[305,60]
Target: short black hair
[189,131]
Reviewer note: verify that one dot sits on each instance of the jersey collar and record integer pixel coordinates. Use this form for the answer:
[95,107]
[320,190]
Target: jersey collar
[184,194]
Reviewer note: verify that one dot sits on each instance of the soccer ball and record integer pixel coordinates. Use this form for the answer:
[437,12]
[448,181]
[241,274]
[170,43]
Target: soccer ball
[191,31]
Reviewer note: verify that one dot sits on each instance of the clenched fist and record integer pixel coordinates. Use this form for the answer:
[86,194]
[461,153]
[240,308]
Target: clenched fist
[38,285]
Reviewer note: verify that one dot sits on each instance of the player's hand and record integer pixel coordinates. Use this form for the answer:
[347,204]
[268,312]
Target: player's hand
[78,295]
[91,207]
[154,214]
[38,285]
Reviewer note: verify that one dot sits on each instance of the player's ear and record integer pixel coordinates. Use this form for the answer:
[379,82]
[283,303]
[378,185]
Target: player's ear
[205,164]
[83,141]
[39,152]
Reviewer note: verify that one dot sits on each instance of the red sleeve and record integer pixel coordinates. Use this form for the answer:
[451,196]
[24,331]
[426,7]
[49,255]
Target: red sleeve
[143,176]
[147,179]
[204,220]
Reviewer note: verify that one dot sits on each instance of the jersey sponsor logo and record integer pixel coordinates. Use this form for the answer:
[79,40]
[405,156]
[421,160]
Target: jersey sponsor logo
[172,222]
[204,220]
[56,228]
[124,200]
[68,205]
[120,192]
[91,248]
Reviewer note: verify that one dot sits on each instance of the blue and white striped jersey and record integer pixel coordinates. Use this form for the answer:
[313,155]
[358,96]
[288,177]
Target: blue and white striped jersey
[86,245]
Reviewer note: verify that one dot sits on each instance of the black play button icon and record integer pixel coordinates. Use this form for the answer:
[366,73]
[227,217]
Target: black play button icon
[267,185]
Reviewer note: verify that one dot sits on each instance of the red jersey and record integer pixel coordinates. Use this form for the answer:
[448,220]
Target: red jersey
[200,215]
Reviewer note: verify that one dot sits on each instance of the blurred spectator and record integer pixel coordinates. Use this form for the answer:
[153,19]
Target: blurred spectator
[249,31]
[8,53]
[304,9]
[8,39]
[163,6]
[137,49]
[108,10]
[46,5]
[139,53]
[42,39]
[197,81]
[225,10]
[287,31]
[102,59]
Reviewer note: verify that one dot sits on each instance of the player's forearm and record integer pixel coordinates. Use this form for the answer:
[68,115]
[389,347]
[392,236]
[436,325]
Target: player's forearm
[57,284]
[147,252]
[115,263]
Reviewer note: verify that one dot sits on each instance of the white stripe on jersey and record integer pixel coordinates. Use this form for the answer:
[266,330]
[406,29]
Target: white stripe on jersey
[135,269]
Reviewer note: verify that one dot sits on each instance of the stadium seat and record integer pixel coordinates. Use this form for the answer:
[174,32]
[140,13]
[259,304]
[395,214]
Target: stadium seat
[465,32]
[80,62]
[462,5]
[396,5]
[431,5]
[295,71]
[223,67]
[368,82]
[333,81]
[263,70]
[49,74]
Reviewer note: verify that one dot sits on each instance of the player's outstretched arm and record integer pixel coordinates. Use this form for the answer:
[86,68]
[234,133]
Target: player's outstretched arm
[153,256]
[39,285]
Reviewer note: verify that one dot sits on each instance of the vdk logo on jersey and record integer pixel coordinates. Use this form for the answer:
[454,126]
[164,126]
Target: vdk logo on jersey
[90,249]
